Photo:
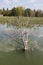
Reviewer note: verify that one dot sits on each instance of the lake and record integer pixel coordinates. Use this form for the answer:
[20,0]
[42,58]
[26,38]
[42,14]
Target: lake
[11,45]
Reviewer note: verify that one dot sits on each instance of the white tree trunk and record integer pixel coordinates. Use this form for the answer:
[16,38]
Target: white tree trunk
[25,45]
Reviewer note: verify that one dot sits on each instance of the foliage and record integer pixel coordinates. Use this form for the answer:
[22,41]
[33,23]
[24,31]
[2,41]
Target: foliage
[38,13]
[20,11]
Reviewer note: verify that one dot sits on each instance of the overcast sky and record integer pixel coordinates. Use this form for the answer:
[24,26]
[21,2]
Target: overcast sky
[32,4]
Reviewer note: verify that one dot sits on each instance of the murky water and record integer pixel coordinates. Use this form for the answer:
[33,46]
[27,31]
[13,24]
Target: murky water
[11,45]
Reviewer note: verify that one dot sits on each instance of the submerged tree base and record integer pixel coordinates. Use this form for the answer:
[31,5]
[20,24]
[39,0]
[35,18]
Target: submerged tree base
[25,49]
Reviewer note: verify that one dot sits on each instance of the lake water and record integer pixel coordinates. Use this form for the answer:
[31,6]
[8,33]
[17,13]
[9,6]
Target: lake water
[11,45]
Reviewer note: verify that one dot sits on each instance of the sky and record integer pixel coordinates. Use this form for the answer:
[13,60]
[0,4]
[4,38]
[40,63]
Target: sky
[32,4]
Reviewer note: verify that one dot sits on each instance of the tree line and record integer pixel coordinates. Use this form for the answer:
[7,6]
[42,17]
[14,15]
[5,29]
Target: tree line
[20,11]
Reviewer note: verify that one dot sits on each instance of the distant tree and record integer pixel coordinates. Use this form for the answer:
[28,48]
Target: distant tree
[34,12]
[42,14]
[29,12]
[7,9]
[19,11]
[13,11]
[4,11]
[8,13]
[26,13]
[0,12]
[38,13]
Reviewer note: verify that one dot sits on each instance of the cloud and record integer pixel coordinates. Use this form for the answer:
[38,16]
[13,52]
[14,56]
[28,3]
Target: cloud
[32,1]
[33,4]
[16,0]
[39,6]
[7,2]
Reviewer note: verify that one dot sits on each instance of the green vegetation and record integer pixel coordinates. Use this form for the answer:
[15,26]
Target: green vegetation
[21,21]
[20,11]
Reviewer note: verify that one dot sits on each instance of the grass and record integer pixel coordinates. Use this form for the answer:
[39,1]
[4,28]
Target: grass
[21,21]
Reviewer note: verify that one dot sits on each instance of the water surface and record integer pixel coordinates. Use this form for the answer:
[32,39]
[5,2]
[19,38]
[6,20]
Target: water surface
[11,45]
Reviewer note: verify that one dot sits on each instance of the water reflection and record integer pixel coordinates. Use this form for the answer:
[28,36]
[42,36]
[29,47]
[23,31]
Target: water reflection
[11,37]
